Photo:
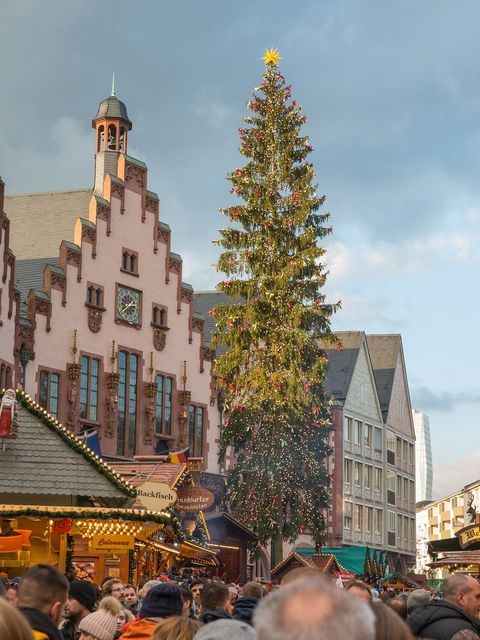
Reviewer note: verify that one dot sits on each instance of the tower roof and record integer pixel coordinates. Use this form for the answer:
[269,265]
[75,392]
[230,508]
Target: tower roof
[112,107]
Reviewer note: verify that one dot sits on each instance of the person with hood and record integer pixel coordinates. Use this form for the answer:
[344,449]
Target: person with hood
[42,596]
[102,624]
[162,601]
[82,598]
[215,602]
[246,604]
[453,618]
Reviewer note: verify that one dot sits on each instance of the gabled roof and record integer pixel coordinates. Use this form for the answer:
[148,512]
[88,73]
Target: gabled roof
[48,459]
[326,563]
[341,363]
[218,516]
[29,274]
[138,472]
[40,221]
[384,350]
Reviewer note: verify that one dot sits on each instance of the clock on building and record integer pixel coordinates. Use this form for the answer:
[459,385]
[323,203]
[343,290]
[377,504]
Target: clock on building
[128,305]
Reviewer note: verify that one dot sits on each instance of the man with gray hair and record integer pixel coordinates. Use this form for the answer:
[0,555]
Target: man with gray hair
[313,609]
[453,618]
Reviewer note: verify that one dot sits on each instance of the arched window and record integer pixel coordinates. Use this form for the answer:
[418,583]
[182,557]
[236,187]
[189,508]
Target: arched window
[121,145]
[112,137]
[8,378]
[98,297]
[101,137]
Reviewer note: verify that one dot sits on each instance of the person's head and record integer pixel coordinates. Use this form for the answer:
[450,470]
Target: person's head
[176,628]
[215,595]
[123,617]
[252,590]
[146,588]
[313,609]
[12,624]
[226,630]
[162,601]
[43,587]
[197,588]
[399,605]
[359,590]
[130,597]
[464,592]
[11,593]
[187,596]
[299,574]
[417,598]
[113,587]
[82,597]
[389,625]
[233,591]
[102,624]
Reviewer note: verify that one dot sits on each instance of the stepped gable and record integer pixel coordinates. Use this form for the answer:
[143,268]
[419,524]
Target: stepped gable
[40,221]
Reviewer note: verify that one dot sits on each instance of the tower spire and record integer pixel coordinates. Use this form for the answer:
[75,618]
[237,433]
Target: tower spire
[113,85]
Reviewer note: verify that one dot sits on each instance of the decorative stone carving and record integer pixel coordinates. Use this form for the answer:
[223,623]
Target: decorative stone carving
[150,415]
[163,234]
[174,265]
[112,404]
[159,338]
[186,295]
[95,317]
[73,374]
[135,174]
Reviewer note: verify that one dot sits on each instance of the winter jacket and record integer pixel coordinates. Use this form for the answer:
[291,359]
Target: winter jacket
[68,631]
[43,627]
[440,620]
[141,629]
[244,608]
[210,615]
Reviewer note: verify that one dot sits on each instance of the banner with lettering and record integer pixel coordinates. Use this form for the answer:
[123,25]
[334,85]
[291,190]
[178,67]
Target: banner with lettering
[115,543]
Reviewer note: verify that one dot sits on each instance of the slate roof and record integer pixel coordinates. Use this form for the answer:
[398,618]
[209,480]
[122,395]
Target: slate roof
[203,302]
[112,107]
[40,221]
[42,462]
[342,363]
[384,351]
[29,275]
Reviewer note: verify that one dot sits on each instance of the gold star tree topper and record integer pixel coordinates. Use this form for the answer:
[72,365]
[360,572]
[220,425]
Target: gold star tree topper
[271,56]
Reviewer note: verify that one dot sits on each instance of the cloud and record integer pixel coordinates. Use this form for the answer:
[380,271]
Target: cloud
[209,105]
[451,474]
[424,399]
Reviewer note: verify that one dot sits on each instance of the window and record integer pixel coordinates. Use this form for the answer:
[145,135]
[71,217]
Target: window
[378,440]
[391,440]
[411,454]
[392,521]
[347,515]
[48,391]
[399,449]
[391,487]
[358,471]
[399,487]
[159,315]
[347,469]
[412,491]
[94,295]
[358,517]
[405,489]
[368,476]
[378,479]
[357,432]
[195,429]
[347,429]
[368,519]
[399,526]
[378,522]
[368,435]
[405,451]
[164,405]
[89,387]
[127,403]
[130,261]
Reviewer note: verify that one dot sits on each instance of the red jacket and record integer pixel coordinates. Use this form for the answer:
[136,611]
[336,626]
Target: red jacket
[142,629]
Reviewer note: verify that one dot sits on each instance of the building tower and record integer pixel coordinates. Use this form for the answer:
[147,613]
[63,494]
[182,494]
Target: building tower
[423,457]
[111,125]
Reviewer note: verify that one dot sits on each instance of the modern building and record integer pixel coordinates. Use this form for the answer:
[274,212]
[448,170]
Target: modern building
[423,457]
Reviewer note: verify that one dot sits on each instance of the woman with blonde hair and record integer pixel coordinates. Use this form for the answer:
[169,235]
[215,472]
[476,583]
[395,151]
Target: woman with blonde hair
[13,625]
[176,628]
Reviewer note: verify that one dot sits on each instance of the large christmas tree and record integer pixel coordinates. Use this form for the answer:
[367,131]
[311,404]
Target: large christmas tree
[273,370]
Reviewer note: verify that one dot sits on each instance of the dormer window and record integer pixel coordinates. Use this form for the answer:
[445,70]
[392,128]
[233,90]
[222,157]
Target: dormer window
[130,261]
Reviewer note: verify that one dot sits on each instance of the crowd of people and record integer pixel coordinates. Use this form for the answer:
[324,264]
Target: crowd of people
[43,605]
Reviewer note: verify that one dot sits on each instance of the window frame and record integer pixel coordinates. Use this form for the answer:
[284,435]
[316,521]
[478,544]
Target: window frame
[48,405]
[91,358]
[160,408]
[195,409]
[130,425]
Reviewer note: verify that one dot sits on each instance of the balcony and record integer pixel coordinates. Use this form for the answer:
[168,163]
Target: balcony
[445,515]
[433,520]
[458,511]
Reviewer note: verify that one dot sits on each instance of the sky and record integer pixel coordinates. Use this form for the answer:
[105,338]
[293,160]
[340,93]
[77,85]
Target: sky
[391,91]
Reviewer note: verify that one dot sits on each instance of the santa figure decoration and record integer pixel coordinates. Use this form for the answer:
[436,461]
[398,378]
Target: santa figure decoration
[8,410]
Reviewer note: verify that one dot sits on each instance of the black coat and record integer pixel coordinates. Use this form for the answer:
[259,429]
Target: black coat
[210,615]
[39,621]
[244,608]
[440,620]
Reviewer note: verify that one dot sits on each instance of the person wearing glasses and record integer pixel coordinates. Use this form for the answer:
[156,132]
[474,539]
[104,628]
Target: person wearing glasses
[114,587]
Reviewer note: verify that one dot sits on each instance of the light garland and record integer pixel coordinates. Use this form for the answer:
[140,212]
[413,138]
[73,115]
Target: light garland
[89,528]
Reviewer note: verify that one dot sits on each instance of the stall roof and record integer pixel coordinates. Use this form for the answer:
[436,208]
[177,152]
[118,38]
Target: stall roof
[47,459]
[351,558]
[324,562]
[138,472]
[458,558]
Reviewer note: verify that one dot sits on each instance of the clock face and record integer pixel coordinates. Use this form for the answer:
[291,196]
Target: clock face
[128,305]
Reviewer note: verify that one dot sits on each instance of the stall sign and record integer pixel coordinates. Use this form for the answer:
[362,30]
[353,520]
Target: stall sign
[194,499]
[468,535]
[155,496]
[345,575]
[105,542]
[63,525]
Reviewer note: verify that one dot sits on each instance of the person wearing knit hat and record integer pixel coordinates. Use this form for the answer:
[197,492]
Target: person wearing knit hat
[82,598]
[162,601]
[102,624]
